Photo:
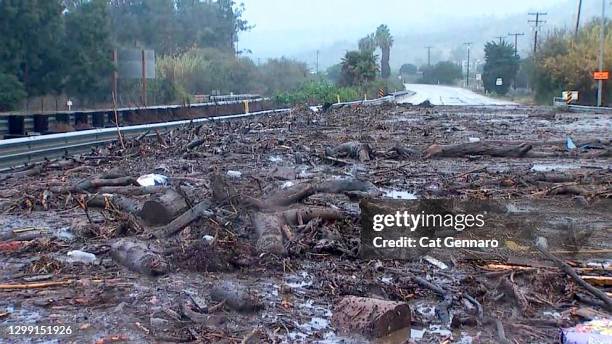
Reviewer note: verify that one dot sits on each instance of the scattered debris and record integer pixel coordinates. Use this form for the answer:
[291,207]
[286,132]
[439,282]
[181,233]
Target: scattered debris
[253,233]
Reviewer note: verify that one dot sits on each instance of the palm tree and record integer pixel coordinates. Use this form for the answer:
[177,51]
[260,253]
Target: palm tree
[368,43]
[358,68]
[384,40]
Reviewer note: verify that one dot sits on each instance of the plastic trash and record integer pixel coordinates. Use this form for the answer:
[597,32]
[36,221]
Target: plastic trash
[473,139]
[435,262]
[152,179]
[569,143]
[208,238]
[234,174]
[594,331]
[77,256]
[287,184]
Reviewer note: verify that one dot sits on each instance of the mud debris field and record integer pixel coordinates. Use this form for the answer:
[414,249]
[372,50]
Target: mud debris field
[254,236]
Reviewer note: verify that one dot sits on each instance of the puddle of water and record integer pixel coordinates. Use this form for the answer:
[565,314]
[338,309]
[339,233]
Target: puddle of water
[399,194]
[275,158]
[234,174]
[416,334]
[46,224]
[299,281]
[386,279]
[512,208]
[552,167]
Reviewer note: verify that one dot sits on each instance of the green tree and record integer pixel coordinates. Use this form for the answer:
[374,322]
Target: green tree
[385,42]
[408,69]
[11,92]
[564,63]
[500,63]
[334,73]
[444,72]
[174,26]
[88,50]
[30,44]
[358,68]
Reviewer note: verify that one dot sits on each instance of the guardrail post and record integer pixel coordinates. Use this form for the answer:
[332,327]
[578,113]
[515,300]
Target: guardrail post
[41,123]
[80,120]
[97,119]
[16,125]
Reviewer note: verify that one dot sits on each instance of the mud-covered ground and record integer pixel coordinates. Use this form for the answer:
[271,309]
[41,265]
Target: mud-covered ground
[45,215]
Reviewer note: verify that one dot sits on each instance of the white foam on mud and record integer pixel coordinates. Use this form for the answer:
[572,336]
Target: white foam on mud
[399,194]
[553,167]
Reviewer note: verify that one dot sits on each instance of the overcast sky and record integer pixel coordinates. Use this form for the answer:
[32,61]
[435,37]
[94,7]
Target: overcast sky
[286,27]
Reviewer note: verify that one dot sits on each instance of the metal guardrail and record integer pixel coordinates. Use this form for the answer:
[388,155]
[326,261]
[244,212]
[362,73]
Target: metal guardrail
[560,103]
[32,149]
[70,116]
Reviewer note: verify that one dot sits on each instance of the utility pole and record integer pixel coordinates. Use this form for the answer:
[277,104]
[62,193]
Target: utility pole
[114,76]
[317,62]
[516,34]
[144,77]
[537,23]
[467,75]
[428,55]
[601,50]
[578,18]
[500,38]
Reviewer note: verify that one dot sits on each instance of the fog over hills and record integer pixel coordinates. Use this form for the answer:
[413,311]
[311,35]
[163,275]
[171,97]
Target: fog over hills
[446,32]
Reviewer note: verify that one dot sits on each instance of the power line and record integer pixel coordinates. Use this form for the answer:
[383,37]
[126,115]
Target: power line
[467,75]
[537,23]
[516,35]
[500,38]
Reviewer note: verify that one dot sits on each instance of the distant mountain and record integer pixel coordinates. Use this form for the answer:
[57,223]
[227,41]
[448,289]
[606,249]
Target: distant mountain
[447,42]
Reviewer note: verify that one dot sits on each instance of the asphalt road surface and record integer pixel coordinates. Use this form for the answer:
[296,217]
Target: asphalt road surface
[447,95]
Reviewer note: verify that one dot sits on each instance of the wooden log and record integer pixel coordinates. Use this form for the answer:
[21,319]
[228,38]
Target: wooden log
[477,148]
[273,228]
[201,209]
[222,192]
[370,317]
[299,192]
[119,202]
[138,257]
[602,281]
[542,246]
[355,150]
[236,296]
[163,208]
[569,190]
[132,190]
[404,152]
[302,216]
[92,184]
[268,228]
[195,143]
